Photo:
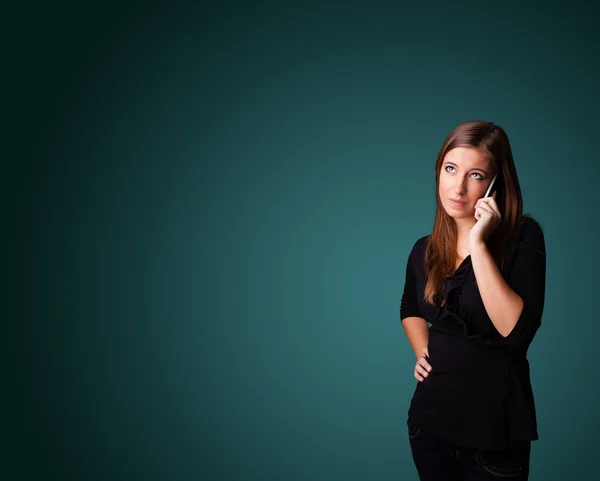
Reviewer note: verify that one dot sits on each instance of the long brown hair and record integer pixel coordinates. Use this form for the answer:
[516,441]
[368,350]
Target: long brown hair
[441,254]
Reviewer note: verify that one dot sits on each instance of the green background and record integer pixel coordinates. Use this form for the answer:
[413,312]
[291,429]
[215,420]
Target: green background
[209,211]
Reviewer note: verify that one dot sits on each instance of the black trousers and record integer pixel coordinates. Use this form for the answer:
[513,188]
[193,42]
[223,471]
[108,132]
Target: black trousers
[437,460]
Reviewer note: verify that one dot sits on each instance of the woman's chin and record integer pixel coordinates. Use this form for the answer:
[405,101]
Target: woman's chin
[457,215]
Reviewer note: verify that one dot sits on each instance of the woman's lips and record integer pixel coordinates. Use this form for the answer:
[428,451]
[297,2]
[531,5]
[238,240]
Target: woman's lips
[458,203]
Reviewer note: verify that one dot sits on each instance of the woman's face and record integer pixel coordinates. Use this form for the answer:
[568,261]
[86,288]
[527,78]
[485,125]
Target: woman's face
[464,178]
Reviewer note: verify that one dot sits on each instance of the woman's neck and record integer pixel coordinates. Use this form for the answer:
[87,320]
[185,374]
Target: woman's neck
[463,227]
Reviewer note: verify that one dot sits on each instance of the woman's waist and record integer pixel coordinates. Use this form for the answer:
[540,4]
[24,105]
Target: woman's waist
[451,353]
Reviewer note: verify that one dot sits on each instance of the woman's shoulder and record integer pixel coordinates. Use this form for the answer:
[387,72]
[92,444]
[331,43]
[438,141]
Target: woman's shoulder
[529,228]
[528,233]
[418,249]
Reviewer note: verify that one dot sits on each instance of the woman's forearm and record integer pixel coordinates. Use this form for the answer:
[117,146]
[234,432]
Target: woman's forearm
[417,332]
[502,304]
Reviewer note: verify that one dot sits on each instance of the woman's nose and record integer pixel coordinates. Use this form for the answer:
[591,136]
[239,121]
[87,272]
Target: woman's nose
[460,186]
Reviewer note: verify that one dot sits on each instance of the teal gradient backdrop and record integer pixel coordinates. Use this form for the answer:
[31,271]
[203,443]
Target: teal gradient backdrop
[211,209]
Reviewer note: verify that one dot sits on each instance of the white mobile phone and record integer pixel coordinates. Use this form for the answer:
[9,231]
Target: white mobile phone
[491,184]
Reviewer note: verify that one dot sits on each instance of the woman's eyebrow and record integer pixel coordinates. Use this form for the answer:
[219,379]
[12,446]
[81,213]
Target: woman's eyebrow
[474,168]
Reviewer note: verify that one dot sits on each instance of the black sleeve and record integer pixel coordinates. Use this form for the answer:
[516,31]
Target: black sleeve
[409,306]
[527,277]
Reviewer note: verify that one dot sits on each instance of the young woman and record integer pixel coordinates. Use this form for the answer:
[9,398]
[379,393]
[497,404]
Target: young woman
[472,303]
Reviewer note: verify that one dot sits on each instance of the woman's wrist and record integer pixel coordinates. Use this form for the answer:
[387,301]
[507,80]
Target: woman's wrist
[477,247]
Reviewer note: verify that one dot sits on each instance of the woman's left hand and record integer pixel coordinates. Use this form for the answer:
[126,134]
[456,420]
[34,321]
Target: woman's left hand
[488,218]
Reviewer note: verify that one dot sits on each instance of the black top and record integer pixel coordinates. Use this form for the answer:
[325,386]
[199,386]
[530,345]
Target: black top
[478,393]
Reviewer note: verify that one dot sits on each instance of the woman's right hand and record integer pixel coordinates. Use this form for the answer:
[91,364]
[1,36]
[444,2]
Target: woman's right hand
[422,368]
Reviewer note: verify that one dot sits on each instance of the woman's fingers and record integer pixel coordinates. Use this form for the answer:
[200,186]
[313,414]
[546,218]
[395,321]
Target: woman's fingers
[424,361]
[422,369]
[424,364]
[489,202]
[420,373]
[486,207]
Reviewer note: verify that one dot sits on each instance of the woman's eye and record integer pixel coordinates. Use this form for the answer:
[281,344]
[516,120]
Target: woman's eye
[451,169]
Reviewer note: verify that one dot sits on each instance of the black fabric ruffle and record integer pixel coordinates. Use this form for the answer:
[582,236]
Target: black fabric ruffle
[450,311]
